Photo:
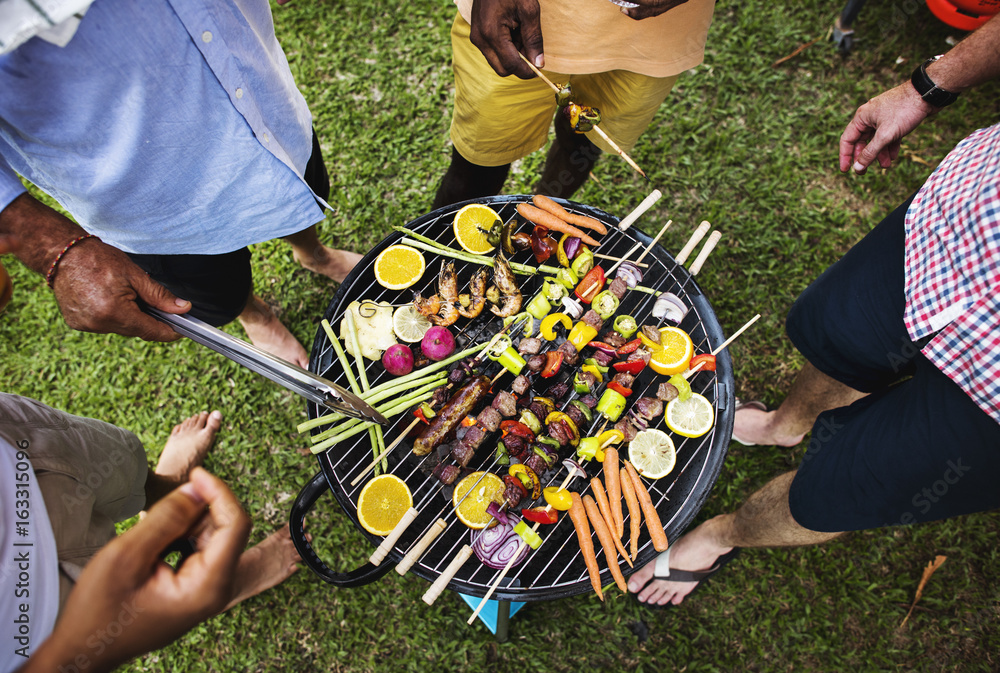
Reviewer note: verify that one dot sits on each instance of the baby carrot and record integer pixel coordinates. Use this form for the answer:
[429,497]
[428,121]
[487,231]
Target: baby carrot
[602,504]
[545,203]
[578,513]
[653,524]
[634,512]
[611,479]
[605,536]
[550,221]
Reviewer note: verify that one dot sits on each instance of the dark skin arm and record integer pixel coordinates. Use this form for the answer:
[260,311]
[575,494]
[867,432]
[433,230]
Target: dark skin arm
[96,285]
[126,589]
[505,29]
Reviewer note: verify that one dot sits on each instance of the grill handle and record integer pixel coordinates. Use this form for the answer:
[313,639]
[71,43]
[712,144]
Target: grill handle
[308,497]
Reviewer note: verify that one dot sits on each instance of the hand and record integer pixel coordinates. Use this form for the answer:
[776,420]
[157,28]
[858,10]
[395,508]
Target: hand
[879,125]
[128,602]
[503,29]
[96,285]
[650,8]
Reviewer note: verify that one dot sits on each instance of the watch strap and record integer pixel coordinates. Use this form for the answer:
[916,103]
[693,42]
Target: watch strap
[928,90]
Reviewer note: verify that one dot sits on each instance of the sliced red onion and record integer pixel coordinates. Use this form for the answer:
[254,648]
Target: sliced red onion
[496,546]
[571,247]
[496,512]
[574,468]
[630,273]
[572,308]
[669,306]
[638,420]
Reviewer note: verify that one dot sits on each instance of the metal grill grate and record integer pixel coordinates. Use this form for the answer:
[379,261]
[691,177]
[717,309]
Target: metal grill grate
[557,568]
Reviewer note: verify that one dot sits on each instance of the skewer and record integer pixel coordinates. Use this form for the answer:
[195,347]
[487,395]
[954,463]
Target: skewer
[695,239]
[636,246]
[689,373]
[646,204]
[597,128]
[619,259]
[710,244]
[371,466]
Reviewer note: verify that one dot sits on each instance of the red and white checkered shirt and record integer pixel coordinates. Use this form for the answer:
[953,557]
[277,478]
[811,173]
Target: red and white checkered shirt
[953,267]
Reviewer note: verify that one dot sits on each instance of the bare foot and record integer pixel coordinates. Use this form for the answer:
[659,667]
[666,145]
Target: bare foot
[265,565]
[754,426]
[267,333]
[187,445]
[329,262]
[694,551]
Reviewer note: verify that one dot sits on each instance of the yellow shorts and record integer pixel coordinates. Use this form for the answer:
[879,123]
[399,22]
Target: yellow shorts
[498,120]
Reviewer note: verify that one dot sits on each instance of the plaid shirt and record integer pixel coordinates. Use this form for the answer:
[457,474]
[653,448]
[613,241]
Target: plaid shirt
[953,267]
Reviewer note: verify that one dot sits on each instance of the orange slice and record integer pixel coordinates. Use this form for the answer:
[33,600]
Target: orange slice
[675,353]
[398,267]
[471,508]
[382,503]
[472,223]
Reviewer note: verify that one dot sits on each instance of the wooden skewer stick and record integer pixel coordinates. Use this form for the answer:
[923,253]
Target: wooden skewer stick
[379,457]
[713,240]
[695,239]
[418,549]
[636,246]
[618,259]
[646,204]
[597,128]
[691,372]
[510,563]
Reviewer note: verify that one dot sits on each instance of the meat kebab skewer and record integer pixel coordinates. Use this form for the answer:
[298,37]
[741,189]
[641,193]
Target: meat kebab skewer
[597,129]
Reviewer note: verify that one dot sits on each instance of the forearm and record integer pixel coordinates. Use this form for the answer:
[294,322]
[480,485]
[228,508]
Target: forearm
[974,60]
[42,231]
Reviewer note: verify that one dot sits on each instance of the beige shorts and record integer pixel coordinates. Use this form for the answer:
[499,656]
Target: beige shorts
[498,120]
[91,474]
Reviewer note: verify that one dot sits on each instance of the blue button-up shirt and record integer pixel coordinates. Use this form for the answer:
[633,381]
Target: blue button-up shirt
[164,126]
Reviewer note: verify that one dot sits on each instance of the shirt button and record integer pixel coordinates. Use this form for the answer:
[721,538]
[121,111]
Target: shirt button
[206,37]
[266,138]
[239,93]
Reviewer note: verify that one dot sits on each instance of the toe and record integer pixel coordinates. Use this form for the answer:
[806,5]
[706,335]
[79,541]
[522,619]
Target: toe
[213,421]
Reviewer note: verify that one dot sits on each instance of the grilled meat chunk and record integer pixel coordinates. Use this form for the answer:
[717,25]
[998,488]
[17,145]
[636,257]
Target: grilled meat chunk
[462,453]
[602,358]
[570,354]
[559,431]
[624,379]
[506,403]
[559,390]
[521,385]
[447,473]
[626,427]
[512,493]
[666,392]
[474,436]
[536,463]
[593,319]
[576,415]
[529,346]
[451,415]
[612,338]
[648,407]
[535,363]
[490,419]
[589,400]
[618,287]
[516,446]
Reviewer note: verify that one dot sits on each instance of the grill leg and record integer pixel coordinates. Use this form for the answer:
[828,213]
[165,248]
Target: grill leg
[503,621]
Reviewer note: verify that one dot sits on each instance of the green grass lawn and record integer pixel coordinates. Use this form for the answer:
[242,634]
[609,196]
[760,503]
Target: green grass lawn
[748,146]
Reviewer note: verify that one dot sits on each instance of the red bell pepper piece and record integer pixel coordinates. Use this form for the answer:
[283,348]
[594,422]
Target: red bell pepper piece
[707,358]
[542,245]
[553,361]
[632,367]
[545,515]
[517,428]
[591,284]
[630,347]
[620,389]
[419,413]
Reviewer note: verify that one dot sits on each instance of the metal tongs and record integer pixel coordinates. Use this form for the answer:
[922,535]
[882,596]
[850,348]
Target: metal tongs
[305,383]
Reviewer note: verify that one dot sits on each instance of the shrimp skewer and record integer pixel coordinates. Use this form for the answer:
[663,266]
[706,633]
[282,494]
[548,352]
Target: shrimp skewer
[510,295]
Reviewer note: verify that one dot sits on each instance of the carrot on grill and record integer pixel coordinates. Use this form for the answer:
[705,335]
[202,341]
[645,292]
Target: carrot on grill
[611,479]
[653,524]
[545,203]
[550,221]
[606,538]
[634,512]
[602,504]
[578,513]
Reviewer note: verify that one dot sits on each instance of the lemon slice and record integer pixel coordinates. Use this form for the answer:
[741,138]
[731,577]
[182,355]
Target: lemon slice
[382,503]
[409,325]
[652,453]
[691,418]
[472,223]
[471,509]
[677,350]
[398,267]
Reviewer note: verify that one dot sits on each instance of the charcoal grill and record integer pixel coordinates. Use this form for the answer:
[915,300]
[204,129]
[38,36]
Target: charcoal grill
[556,569]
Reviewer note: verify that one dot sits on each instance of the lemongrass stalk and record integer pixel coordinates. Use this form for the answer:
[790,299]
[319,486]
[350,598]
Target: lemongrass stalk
[371,397]
[336,439]
[431,245]
[374,432]
[351,422]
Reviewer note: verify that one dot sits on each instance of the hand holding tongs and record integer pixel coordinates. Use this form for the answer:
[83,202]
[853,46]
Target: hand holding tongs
[305,383]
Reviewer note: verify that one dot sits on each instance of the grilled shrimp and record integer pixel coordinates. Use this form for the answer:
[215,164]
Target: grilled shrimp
[448,313]
[510,295]
[477,287]
[426,306]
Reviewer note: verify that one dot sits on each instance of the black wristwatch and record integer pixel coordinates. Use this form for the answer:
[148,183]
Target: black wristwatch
[928,90]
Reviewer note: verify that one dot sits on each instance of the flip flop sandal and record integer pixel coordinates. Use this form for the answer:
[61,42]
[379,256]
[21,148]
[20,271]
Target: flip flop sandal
[752,404]
[662,571]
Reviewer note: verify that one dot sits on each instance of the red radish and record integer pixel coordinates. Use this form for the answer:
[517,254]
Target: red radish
[438,343]
[398,360]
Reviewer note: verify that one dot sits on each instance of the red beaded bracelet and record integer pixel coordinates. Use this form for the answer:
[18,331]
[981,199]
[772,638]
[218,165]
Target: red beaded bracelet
[50,277]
